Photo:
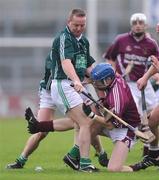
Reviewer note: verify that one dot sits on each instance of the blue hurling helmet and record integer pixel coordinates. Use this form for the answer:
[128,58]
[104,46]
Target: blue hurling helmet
[102,71]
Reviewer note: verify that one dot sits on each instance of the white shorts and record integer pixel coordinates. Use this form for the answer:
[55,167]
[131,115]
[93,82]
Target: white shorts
[150,96]
[64,96]
[45,100]
[120,134]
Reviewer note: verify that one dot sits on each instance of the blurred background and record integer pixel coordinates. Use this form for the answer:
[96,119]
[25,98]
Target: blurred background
[27,28]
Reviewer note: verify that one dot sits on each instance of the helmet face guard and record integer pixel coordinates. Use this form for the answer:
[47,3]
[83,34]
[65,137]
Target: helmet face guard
[99,85]
[102,84]
[102,75]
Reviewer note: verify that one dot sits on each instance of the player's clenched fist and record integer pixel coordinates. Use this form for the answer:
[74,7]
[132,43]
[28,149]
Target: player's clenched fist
[78,86]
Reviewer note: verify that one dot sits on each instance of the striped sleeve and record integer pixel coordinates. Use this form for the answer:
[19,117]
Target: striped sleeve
[119,100]
[62,46]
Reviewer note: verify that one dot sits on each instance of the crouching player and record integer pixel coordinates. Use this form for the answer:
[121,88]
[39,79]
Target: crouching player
[119,98]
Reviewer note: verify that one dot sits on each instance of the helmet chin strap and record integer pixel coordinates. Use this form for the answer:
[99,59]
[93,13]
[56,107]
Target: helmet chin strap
[138,34]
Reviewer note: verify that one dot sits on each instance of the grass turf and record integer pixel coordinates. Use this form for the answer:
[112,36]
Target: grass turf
[13,135]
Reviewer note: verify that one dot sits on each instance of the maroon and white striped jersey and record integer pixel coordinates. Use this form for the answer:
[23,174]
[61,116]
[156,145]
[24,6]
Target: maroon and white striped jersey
[126,49]
[120,98]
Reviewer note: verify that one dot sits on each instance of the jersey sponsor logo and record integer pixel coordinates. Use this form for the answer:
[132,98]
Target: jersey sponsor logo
[80,61]
[139,60]
[137,47]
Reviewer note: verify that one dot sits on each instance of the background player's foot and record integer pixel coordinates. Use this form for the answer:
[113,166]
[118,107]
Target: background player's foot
[103,159]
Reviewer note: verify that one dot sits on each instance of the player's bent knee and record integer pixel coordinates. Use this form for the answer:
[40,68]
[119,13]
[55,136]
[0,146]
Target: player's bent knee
[41,135]
[87,122]
[114,168]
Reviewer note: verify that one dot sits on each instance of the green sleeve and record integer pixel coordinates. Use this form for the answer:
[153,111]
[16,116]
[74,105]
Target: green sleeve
[66,48]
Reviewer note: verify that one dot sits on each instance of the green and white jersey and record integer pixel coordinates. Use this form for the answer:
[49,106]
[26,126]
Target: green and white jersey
[66,46]
[45,83]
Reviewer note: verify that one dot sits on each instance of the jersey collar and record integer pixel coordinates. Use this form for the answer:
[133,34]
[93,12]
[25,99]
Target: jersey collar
[131,34]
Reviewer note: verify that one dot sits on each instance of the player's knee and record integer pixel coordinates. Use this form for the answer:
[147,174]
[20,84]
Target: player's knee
[114,168]
[41,135]
[88,122]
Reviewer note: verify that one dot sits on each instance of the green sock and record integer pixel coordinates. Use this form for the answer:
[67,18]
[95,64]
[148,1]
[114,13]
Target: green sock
[85,162]
[22,159]
[74,152]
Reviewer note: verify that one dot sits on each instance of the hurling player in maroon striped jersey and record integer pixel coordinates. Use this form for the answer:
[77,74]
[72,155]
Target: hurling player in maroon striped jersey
[118,98]
[129,55]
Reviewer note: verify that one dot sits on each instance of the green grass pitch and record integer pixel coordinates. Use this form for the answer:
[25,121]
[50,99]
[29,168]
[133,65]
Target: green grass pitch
[13,135]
